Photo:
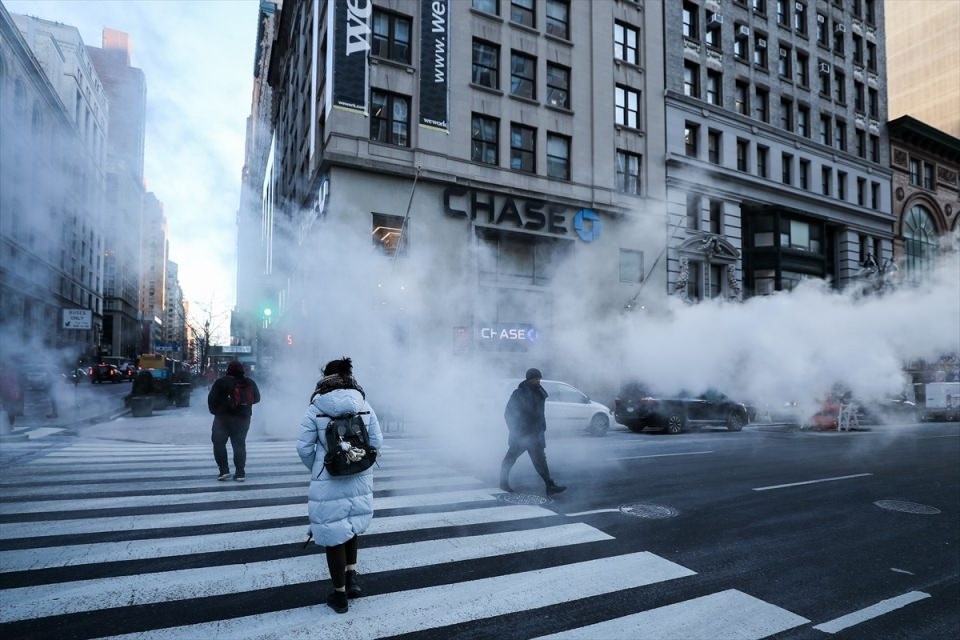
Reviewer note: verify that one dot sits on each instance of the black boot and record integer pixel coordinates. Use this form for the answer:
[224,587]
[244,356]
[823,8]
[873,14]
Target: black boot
[553,488]
[353,585]
[337,600]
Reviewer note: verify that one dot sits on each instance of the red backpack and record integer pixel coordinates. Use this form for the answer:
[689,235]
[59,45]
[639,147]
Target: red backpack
[241,395]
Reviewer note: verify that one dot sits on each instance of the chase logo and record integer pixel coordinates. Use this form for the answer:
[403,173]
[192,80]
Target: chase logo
[587,225]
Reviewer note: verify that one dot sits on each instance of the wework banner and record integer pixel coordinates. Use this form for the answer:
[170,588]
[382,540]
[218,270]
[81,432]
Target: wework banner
[434,62]
[351,42]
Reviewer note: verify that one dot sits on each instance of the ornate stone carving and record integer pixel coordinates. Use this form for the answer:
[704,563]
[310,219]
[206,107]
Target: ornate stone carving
[946,175]
[680,287]
[733,284]
[899,193]
[900,158]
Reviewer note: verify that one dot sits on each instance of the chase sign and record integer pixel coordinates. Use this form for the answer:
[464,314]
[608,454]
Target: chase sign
[529,214]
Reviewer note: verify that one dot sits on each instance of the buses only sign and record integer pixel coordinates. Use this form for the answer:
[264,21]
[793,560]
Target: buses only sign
[77,319]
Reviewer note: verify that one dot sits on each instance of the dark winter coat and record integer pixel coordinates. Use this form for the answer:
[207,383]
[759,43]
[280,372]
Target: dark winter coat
[525,411]
[218,400]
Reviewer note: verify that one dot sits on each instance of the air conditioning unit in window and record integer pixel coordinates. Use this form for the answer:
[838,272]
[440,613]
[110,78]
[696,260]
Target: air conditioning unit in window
[840,28]
[743,31]
[798,6]
[821,19]
[761,43]
[783,52]
[824,68]
[715,20]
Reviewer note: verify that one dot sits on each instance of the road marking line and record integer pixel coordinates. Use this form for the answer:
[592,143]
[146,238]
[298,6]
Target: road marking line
[42,432]
[909,573]
[873,611]
[412,611]
[586,513]
[730,614]
[797,484]
[665,455]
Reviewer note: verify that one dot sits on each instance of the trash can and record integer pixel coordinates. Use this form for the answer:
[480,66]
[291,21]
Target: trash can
[141,406]
[181,393]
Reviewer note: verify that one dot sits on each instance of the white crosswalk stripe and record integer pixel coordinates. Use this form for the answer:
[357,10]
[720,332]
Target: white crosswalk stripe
[92,533]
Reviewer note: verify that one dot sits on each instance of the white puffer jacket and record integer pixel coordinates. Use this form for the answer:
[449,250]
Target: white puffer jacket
[340,507]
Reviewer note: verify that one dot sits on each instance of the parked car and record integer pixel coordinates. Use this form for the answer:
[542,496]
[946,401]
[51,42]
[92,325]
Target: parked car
[100,373]
[637,409]
[567,410]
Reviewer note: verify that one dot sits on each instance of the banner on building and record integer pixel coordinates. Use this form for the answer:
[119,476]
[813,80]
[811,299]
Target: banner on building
[349,22]
[434,63]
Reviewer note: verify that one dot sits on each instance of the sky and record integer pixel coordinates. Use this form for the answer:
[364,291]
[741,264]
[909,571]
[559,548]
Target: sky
[197,57]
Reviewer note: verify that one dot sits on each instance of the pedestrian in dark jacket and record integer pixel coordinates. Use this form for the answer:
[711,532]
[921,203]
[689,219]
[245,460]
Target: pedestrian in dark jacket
[231,401]
[340,507]
[525,419]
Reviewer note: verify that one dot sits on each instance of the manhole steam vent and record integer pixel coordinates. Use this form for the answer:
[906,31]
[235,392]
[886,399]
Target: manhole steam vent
[522,498]
[907,507]
[648,511]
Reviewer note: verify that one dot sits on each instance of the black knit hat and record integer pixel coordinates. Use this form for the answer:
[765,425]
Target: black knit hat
[533,373]
[337,374]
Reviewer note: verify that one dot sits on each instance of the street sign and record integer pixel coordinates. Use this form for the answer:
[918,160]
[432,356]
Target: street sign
[236,348]
[77,319]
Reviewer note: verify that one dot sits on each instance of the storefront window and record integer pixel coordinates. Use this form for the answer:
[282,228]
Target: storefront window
[764,282]
[631,265]
[518,258]
[387,235]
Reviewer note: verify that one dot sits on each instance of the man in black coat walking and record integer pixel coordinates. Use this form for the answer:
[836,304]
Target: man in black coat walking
[525,420]
[231,401]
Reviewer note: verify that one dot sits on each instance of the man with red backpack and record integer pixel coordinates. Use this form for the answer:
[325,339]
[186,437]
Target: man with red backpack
[231,401]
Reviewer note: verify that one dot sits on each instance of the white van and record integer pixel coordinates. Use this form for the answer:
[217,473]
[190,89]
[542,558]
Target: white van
[943,401]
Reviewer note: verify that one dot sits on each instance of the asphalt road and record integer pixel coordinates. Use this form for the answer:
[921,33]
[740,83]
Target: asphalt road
[770,532]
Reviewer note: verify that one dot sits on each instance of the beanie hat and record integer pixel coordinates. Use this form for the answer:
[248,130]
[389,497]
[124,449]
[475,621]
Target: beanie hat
[235,369]
[533,373]
[337,374]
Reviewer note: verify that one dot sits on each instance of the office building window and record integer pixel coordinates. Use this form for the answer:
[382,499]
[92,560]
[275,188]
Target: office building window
[823,30]
[920,240]
[871,12]
[690,134]
[840,135]
[625,39]
[523,12]
[743,153]
[713,146]
[715,88]
[628,172]
[857,49]
[486,64]
[838,33]
[716,279]
[786,114]
[714,29]
[875,148]
[627,111]
[861,137]
[803,69]
[558,156]
[840,87]
[784,62]
[523,148]
[842,185]
[759,6]
[824,75]
[716,217]
[631,265]
[786,168]
[861,191]
[389,118]
[523,75]
[873,103]
[694,293]
[763,154]
[741,40]
[858,93]
[558,18]
[691,26]
[804,174]
[825,129]
[391,36]
[800,17]
[826,176]
[783,13]
[760,50]
[487,6]
[691,79]
[875,195]
[558,86]
[763,105]
[872,56]
[693,211]
[740,100]
[485,139]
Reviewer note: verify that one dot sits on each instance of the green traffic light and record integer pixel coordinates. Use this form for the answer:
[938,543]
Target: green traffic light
[267,312]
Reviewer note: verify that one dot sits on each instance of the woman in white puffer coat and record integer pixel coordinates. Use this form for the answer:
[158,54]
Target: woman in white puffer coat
[340,507]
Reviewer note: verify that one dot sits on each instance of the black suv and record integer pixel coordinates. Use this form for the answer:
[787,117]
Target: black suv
[105,373]
[637,410]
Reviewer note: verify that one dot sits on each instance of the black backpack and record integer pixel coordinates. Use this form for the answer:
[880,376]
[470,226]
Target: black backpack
[241,395]
[348,445]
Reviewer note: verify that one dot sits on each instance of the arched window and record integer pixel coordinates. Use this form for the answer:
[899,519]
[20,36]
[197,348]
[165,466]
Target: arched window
[920,240]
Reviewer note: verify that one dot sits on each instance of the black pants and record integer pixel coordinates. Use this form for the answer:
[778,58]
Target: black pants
[338,558]
[535,447]
[233,428]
